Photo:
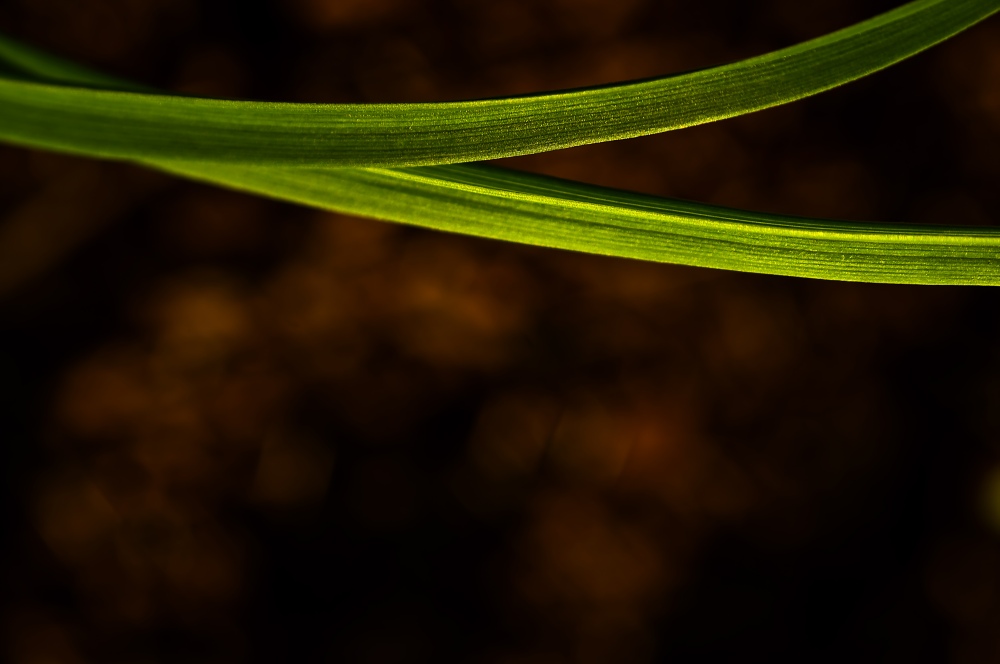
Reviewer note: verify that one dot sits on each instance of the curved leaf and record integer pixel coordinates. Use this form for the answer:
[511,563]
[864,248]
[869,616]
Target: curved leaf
[494,203]
[140,125]
[519,207]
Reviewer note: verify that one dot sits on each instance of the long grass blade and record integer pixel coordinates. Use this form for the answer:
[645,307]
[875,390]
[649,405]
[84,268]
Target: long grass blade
[506,205]
[495,203]
[142,125]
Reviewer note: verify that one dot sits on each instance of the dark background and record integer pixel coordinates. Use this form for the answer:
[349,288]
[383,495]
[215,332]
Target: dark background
[236,430]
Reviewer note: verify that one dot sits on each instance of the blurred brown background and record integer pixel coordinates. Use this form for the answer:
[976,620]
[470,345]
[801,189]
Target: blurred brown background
[240,431]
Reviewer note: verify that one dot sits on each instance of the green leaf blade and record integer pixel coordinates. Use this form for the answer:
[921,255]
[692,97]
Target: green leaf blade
[138,125]
[494,203]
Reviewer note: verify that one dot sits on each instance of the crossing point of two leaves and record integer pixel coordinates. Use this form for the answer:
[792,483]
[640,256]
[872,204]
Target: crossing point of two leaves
[402,162]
